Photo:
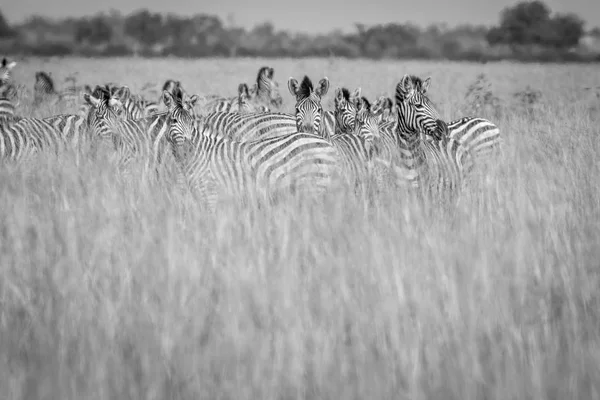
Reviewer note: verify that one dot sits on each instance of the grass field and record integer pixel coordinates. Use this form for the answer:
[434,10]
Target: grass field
[112,291]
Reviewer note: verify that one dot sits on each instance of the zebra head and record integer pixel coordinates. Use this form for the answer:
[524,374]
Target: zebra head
[5,70]
[105,112]
[416,112]
[181,120]
[345,109]
[173,87]
[246,103]
[366,124]
[266,89]
[309,110]
[383,109]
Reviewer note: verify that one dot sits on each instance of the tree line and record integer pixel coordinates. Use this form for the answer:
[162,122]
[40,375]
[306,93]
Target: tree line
[527,31]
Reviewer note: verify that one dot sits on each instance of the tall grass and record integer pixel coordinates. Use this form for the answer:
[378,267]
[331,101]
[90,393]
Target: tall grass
[119,290]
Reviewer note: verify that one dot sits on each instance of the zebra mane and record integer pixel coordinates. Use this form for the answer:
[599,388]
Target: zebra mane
[170,82]
[306,88]
[43,76]
[266,71]
[364,103]
[346,94]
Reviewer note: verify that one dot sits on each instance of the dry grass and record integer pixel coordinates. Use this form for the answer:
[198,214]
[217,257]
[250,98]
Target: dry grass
[117,291]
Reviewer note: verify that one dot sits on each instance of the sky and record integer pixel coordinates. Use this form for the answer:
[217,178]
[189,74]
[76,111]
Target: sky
[313,16]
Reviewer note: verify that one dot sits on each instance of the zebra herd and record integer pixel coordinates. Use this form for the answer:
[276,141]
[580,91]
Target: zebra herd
[244,146]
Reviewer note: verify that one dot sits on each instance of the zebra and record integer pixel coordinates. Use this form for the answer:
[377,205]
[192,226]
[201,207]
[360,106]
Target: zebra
[261,169]
[434,167]
[8,90]
[244,103]
[384,109]
[45,91]
[354,139]
[344,114]
[24,137]
[479,136]
[15,144]
[308,109]
[266,89]
[142,139]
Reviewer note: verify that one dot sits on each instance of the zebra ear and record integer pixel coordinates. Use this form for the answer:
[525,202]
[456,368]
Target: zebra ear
[115,103]
[243,90]
[293,86]
[356,94]
[168,100]
[404,89]
[193,100]
[270,73]
[323,87]
[91,100]
[339,96]
[425,85]
[122,93]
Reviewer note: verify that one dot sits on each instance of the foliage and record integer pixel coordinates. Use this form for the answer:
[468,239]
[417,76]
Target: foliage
[530,23]
[526,32]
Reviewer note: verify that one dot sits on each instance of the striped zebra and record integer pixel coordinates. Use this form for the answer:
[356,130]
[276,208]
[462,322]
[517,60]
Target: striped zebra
[8,89]
[24,137]
[142,140]
[308,108]
[435,167]
[344,113]
[384,109]
[266,90]
[244,104]
[44,91]
[479,136]
[354,140]
[263,169]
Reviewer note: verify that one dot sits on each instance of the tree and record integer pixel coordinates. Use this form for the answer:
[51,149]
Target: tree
[530,23]
[5,30]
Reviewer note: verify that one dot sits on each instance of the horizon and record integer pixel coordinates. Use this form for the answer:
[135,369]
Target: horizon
[303,18]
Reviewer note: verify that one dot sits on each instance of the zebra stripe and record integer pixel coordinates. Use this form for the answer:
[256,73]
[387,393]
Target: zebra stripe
[72,128]
[247,127]
[265,168]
